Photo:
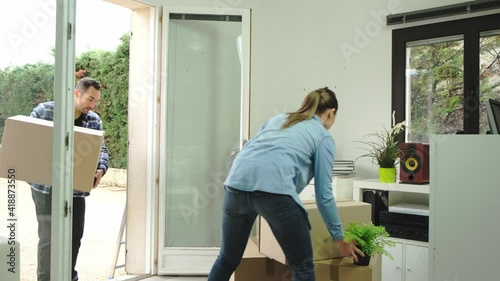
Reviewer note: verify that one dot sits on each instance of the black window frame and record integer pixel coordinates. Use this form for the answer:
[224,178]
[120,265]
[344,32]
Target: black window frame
[470,28]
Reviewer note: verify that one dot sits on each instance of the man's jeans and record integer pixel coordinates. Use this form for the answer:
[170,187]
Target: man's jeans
[43,206]
[287,220]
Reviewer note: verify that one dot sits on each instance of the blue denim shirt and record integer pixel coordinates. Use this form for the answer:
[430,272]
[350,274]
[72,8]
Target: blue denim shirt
[91,120]
[284,162]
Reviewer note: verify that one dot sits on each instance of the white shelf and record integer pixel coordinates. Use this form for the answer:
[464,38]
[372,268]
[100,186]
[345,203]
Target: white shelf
[411,256]
[402,187]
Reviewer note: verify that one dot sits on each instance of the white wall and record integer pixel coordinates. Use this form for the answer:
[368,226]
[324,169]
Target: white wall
[137,172]
[297,47]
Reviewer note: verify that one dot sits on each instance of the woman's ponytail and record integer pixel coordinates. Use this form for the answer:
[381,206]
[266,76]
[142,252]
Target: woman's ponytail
[315,102]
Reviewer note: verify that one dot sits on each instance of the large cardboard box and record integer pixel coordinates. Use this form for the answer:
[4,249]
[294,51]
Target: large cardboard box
[343,269]
[27,149]
[323,246]
[255,266]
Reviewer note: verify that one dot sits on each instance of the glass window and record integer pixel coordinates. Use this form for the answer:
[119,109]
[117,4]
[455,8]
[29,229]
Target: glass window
[434,74]
[489,71]
[443,73]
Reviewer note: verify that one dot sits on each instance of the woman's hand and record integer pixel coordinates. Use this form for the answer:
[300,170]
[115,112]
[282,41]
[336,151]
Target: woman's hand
[349,250]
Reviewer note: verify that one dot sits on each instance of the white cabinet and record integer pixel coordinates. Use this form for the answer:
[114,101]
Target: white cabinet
[411,258]
[465,225]
[416,263]
[410,262]
[392,270]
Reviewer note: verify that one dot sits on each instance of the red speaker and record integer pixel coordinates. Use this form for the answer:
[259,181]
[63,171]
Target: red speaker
[414,166]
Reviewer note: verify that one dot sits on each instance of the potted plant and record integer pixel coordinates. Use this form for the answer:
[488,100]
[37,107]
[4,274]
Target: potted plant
[370,239]
[384,150]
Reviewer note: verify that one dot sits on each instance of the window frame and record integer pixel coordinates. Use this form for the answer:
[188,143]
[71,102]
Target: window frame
[470,29]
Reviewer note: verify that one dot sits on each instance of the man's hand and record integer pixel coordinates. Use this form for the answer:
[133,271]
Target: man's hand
[97,177]
[349,250]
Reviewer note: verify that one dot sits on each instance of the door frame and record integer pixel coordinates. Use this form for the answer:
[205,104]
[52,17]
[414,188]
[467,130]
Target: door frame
[62,198]
[195,260]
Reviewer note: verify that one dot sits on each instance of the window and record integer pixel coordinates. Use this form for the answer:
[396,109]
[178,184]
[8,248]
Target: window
[442,73]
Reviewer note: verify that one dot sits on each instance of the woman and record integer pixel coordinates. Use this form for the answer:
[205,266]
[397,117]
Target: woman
[266,178]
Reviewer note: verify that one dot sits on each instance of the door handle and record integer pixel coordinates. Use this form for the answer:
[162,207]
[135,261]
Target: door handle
[234,152]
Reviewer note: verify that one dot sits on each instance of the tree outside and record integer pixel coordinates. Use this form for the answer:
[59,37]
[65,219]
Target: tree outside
[23,87]
[435,74]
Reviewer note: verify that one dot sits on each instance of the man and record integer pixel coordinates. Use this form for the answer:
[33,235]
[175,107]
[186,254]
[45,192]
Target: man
[87,94]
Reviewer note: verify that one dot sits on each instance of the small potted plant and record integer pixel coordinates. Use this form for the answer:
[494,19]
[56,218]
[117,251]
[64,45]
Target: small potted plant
[384,150]
[369,238]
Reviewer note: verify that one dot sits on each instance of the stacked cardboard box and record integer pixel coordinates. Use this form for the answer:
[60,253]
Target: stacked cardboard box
[255,266]
[329,265]
[323,246]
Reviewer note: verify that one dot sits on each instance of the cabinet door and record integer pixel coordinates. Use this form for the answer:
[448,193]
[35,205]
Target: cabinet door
[392,270]
[417,263]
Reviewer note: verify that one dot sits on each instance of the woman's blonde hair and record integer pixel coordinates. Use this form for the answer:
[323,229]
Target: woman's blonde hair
[316,102]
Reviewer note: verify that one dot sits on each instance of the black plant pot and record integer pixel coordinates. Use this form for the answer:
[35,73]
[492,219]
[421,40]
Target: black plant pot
[363,261]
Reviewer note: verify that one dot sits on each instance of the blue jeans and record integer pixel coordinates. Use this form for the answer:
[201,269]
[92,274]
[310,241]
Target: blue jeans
[43,207]
[287,220]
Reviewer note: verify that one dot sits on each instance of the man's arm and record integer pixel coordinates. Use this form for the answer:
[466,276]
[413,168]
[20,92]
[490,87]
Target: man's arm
[102,166]
[37,111]
[104,158]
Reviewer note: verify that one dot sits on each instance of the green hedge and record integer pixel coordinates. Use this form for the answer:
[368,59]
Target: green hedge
[23,87]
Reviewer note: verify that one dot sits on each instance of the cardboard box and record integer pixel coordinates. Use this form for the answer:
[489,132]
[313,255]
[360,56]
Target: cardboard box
[255,266]
[27,148]
[323,246]
[343,269]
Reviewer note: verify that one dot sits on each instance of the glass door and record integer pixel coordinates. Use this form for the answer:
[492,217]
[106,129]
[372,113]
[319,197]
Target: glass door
[204,121]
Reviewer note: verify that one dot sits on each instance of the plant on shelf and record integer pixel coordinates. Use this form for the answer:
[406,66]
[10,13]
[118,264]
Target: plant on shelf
[384,150]
[369,238]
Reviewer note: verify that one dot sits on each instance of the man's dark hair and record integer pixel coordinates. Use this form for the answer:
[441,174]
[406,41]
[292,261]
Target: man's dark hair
[85,83]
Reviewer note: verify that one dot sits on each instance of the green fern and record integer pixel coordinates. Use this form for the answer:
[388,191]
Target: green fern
[371,239]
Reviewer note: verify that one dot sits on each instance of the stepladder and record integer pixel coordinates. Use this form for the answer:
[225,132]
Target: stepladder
[119,242]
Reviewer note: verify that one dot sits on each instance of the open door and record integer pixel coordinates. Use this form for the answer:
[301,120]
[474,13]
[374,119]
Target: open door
[204,121]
